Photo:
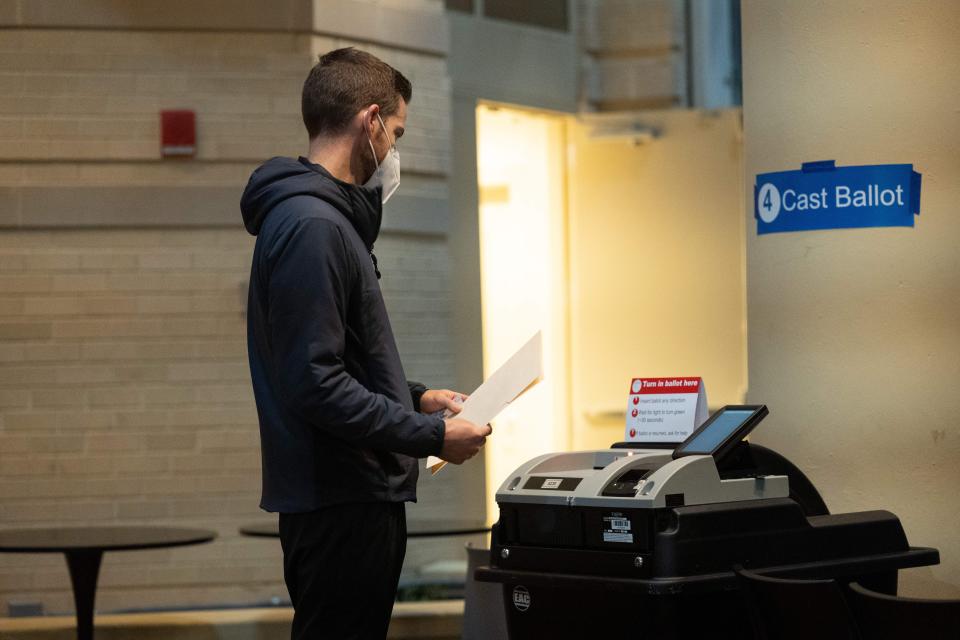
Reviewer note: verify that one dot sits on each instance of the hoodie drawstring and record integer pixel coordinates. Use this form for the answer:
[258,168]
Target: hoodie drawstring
[376,268]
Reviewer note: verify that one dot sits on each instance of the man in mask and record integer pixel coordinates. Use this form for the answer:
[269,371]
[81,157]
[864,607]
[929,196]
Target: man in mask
[340,426]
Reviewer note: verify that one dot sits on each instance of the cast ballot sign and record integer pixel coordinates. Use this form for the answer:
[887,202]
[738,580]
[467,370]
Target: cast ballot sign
[822,195]
[665,409]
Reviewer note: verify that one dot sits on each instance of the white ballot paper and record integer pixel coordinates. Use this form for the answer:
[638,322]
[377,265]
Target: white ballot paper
[523,370]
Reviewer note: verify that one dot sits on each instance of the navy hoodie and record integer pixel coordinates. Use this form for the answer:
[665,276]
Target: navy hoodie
[338,420]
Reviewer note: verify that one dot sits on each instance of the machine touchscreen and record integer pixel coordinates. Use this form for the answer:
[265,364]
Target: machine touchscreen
[722,431]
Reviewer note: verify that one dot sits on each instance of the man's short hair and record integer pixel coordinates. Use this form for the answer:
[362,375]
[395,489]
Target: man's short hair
[345,81]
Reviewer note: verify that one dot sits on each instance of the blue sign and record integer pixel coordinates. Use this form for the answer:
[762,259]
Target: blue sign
[823,196]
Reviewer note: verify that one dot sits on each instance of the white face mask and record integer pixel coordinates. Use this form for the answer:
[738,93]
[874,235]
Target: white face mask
[387,174]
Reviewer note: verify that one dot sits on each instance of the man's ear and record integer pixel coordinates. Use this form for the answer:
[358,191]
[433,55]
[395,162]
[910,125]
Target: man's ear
[370,120]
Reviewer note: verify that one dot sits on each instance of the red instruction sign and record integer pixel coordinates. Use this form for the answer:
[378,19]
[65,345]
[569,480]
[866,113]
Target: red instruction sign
[665,409]
[665,385]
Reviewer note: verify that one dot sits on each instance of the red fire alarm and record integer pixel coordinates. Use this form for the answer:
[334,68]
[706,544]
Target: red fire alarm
[178,133]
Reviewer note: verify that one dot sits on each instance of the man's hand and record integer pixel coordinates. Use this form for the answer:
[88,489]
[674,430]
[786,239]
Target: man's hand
[434,400]
[462,440]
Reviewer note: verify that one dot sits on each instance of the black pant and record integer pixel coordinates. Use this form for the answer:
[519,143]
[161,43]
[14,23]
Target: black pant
[341,565]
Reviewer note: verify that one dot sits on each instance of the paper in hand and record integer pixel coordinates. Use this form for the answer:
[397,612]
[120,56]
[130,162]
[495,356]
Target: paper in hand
[522,371]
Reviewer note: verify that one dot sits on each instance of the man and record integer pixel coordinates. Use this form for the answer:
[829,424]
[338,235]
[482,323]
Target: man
[340,427]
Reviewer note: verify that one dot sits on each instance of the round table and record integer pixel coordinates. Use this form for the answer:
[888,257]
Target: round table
[84,548]
[415,529]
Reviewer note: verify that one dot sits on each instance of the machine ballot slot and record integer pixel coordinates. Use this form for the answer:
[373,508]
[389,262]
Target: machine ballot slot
[626,484]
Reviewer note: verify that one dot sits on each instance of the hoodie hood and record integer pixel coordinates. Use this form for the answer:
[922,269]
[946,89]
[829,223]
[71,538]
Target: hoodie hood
[280,178]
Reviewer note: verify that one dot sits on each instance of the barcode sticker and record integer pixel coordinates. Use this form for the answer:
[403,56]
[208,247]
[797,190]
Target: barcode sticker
[616,528]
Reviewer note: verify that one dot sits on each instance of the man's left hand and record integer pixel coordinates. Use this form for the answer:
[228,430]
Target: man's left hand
[434,400]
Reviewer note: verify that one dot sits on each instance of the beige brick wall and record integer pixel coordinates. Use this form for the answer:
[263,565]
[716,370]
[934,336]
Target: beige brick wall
[96,94]
[124,388]
[634,53]
[132,405]
[126,399]
[93,95]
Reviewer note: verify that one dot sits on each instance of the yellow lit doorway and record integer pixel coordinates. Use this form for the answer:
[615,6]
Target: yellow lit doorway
[521,173]
[621,237]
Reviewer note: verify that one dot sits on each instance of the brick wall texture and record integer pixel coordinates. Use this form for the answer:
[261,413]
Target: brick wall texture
[633,53]
[124,388]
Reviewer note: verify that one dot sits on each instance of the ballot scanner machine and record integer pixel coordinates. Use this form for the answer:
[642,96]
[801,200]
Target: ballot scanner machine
[641,540]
